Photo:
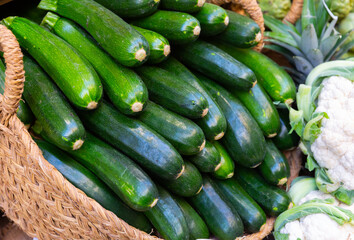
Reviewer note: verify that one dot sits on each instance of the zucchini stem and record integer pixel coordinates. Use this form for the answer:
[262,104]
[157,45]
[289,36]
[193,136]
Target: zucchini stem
[219,136]
[137,107]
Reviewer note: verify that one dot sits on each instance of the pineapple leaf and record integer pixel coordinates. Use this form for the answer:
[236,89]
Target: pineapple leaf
[302,65]
[297,76]
[294,29]
[315,57]
[322,17]
[344,49]
[296,37]
[292,49]
[281,37]
[286,53]
[298,26]
[277,26]
[308,15]
[327,44]
[309,39]
[339,43]
[327,31]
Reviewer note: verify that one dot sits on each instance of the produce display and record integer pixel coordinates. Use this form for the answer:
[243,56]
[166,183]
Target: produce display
[161,112]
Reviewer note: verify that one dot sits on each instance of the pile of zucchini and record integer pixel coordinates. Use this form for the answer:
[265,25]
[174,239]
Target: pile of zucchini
[185,137]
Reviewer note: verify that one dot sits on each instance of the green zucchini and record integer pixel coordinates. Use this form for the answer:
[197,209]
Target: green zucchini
[120,173]
[241,32]
[227,166]
[273,200]
[136,140]
[273,78]
[243,139]
[214,123]
[208,160]
[213,19]
[196,225]
[188,6]
[214,62]
[284,140]
[59,123]
[275,167]
[173,94]
[123,86]
[188,184]
[73,74]
[182,133]
[252,215]
[117,37]
[86,181]
[159,46]
[262,109]
[167,217]
[220,216]
[131,8]
[177,27]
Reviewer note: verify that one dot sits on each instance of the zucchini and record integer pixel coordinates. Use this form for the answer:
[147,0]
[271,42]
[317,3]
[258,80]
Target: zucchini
[252,215]
[208,160]
[173,94]
[131,8]
[188,6]
[220,216]
[159,46]
[214,123]
[285,140]
[86,181]
[59,123]
[182,133]
[117,37]
[123,86]
[241,32]
[168,218]
[227,166]
[213,19]
[73,74]
[177,27]
[196,225]
[122,175]
[243,139]
[214,62]
[188,184]
[262,109]
[273,200]
[273,78]
[275,167]
[136,140]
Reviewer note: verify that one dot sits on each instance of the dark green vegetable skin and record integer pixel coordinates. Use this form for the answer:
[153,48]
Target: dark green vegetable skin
[262,109]
[117,37]
[208,160]
[188,6]
[214,123]
[59,123]
[214,62]
[220,216]
[275,167]
[123,86]
[241,32]
[252,215]
[274,79]
[168,218]
[85,180]
[182,133]
[283,140]
[73,74]
[173,94]
[243,139]
[226,169]
[151,151]
[120,173]
[177,27]
[213,19]
[273,200]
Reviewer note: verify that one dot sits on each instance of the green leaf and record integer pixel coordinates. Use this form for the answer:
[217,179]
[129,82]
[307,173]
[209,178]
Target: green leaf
[292,49]
[309,39]
[344,195]
[322,17]
[296,121]
[315,56]
[304,101]
[308,15]
[278,26]
[313,128]
[328,43]
[311,163]
[324,182]
[286,38]
[339,43]
[281,236]
[345,47]
[302,65]
[300,187]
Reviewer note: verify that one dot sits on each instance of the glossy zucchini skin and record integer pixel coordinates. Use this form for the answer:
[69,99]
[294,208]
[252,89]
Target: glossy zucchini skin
[220,216]
[188,6]
[113,34]
[136,140]
[86,181]
[217,64]
[243,139]
[252,215]
[208,160]
[273,200]
[262,109]
[283,140]
[59,123]
[227,167]
[123,86]
[168,218]
[173,94]
[182,133]
[241,32]
[214,123]
[71,72]
[177,27]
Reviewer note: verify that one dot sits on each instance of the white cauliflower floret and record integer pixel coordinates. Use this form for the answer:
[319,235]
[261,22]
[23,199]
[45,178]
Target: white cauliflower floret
[294,229]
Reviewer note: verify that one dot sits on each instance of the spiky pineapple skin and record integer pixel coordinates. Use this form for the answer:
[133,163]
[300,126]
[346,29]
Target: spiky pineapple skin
[275,8]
